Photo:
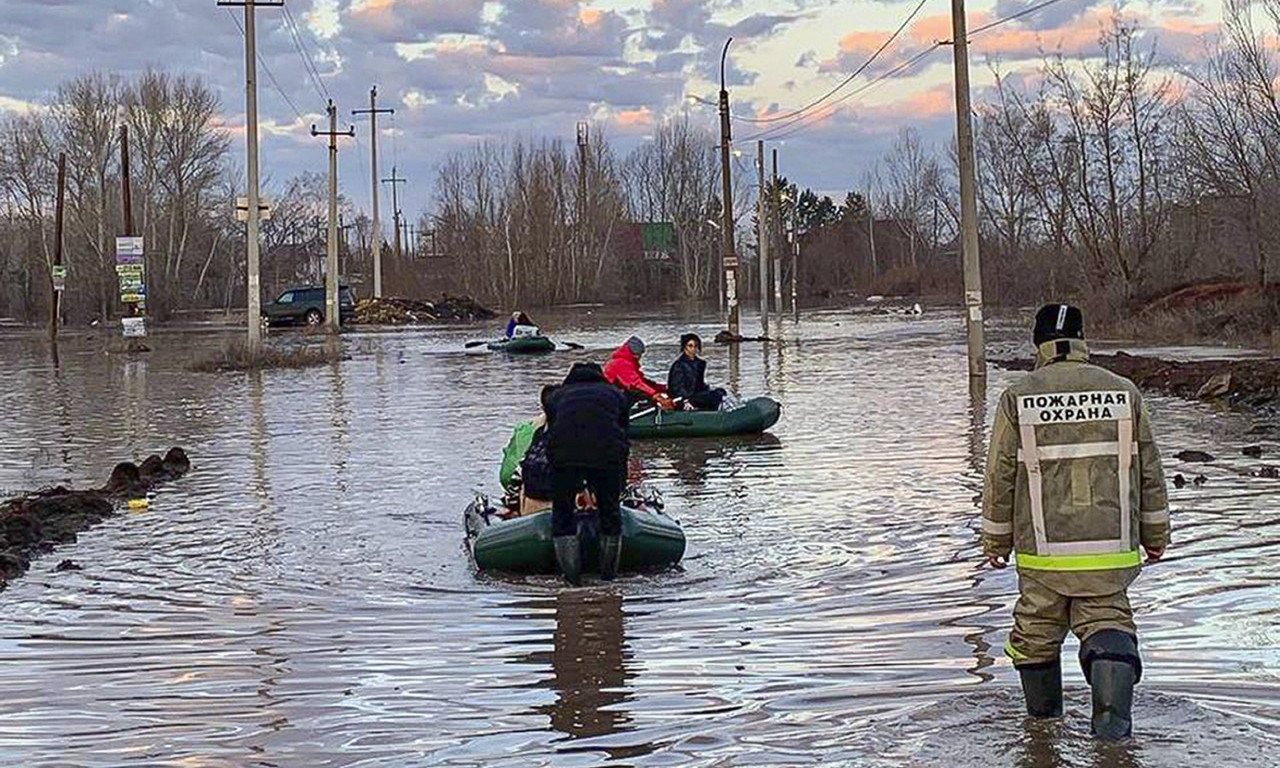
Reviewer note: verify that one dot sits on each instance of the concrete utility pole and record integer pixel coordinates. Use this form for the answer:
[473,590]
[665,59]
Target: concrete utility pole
[55,307]
[376,240]
[332,314]
[773,236]
[762,238]
[395,205]
[728,256]
[968,195]
[254,280]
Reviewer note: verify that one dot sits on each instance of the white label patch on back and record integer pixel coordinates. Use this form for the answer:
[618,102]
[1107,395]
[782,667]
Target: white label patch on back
[1074,407]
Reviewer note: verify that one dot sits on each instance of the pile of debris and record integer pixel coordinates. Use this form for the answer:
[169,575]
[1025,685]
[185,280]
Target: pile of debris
[398,311]
[34,524]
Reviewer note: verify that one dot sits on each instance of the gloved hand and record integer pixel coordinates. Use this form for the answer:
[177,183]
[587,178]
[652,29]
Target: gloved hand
[664,401]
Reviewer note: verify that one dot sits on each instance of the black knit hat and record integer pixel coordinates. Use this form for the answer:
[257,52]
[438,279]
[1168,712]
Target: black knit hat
[1058,321]
[688,337]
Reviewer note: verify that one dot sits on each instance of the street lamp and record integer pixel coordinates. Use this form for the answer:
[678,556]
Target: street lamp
[728,257]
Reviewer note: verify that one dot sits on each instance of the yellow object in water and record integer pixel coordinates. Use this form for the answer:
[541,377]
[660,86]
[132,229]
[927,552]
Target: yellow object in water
[139,503]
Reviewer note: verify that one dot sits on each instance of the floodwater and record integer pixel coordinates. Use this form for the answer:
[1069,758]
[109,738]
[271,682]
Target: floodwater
[303,597]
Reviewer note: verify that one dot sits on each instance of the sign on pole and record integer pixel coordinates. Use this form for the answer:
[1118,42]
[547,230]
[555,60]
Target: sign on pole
[59,274]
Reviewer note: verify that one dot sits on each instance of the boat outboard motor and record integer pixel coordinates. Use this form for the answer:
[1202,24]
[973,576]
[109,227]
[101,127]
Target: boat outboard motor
[1112,666]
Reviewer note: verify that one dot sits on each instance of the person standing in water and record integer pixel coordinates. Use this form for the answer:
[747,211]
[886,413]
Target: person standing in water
[587,445]
[1074,486]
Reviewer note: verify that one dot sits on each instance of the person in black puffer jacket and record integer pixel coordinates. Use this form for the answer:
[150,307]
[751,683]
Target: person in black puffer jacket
[587,442]
[687,378]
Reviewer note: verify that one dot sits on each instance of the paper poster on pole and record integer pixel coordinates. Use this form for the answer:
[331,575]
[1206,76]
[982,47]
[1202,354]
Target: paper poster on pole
[59,274]
[128,250]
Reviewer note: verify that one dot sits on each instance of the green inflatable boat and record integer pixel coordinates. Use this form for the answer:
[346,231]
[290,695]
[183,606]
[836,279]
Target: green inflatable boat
[523,345]
[650,540]
[753,416]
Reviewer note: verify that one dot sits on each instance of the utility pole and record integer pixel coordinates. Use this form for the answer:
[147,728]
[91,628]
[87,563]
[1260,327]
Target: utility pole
[795,273]
[56,303]
[253,283]
[138,308]
[376,240]
[968,195]
[729,258]
[124,181]
[871,236]
[773,236]
[762,238]
[332,314]
[395,205]
[583,143]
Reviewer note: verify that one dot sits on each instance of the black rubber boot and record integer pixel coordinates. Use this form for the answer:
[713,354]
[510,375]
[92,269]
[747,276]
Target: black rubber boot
[1112,666]
[569,558]
[610,556]
[1042,688]
[1112,699]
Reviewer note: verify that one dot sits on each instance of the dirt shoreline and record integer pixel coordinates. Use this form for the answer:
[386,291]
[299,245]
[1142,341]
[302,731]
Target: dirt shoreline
[1252,382]
[35,523]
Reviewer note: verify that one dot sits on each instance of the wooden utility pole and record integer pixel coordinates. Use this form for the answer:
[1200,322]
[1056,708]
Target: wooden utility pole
[871,236]
[124,181]
[773,236]
[395,205]
[253,283]
[762,238]
[584,141]
[968,195]
[332,313]
[376,240]
[138,308]
[729,258]
[55,306]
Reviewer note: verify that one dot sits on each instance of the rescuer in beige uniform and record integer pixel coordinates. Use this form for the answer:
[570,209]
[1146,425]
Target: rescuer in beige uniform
[1074,486]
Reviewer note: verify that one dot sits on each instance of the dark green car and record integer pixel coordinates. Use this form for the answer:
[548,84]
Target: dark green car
[305,306]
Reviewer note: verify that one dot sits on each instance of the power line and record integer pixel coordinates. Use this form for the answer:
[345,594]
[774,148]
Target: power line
[308,63]
[1024,12]
[847,80]
[799,124]
[270,76]
[791,129]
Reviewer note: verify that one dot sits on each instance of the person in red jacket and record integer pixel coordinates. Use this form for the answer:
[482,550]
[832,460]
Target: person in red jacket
[623,371]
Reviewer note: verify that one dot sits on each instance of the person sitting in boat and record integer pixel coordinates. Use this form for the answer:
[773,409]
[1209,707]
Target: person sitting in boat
[526,466]
[687,379]
[623,371]
[520,325]
[587,445]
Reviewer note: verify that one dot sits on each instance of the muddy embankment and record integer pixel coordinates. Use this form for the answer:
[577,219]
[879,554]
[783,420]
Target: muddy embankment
[34,524]
[1252,383]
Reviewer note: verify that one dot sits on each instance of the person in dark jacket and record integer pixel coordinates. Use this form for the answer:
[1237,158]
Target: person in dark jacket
[587,443]
[687,378]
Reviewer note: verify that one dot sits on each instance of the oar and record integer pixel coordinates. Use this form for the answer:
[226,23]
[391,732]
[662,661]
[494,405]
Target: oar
[572,345]
[471,344]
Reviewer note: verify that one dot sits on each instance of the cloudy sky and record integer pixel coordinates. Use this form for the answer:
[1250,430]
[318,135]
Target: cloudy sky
[462,71]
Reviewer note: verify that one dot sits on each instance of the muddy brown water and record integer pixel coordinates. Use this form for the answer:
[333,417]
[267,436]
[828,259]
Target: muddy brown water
[303,597]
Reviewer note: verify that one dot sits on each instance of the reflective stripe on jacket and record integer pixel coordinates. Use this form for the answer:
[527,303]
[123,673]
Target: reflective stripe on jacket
[1074,482]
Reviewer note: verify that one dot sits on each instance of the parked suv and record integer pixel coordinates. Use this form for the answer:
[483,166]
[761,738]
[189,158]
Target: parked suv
[306,306]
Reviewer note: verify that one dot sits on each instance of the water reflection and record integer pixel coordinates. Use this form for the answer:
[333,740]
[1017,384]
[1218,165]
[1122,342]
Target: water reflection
[694,460]
[591,664]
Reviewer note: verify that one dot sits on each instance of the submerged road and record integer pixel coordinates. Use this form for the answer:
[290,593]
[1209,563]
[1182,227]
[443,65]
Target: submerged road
[303,598]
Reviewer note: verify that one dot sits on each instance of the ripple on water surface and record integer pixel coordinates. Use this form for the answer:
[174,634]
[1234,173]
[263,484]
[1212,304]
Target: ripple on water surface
[303,597]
